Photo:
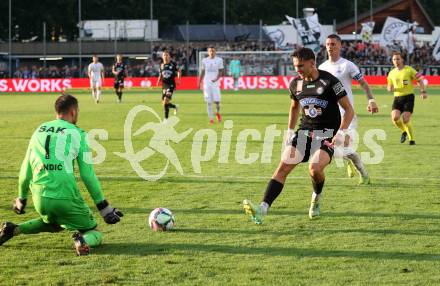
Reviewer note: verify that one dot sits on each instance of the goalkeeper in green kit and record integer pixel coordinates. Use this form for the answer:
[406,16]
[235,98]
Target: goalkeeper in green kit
[48,172]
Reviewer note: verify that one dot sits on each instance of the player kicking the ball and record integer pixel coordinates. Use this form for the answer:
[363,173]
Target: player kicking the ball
[47,170]
[318,95]
[212,71]
[345,71]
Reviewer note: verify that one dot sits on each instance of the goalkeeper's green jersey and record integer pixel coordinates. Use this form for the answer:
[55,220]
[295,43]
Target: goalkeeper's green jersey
[48,167]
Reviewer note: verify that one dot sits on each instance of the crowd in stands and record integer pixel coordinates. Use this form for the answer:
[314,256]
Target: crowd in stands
[185,55]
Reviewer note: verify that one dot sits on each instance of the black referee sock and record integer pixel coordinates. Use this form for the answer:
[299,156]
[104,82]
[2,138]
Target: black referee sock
[273,189]
[120,95]
[317,187]
[170,105]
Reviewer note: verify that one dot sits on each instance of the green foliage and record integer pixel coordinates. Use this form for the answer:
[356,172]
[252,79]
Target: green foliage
[383,234]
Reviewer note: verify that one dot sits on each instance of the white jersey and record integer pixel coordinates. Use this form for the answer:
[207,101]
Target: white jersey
[95,71]
[345,71]
[212,68]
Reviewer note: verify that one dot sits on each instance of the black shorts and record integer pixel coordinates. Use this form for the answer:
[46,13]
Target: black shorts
[167,91]
[404,103]
[303,140]
[119,83]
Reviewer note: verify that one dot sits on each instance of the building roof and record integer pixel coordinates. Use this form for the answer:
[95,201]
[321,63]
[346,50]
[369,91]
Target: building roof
[411,10]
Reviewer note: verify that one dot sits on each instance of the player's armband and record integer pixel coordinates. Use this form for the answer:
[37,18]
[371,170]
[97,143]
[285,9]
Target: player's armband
[358,77]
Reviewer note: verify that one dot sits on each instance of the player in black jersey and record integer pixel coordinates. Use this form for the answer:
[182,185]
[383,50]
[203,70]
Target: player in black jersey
[316,93]
[168,72]
[119,69]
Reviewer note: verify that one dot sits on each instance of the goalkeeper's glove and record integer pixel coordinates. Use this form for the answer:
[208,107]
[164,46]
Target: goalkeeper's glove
[19,205]
[110,214]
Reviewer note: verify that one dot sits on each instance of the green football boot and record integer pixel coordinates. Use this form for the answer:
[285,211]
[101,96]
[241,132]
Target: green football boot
[351,169]
[254,211]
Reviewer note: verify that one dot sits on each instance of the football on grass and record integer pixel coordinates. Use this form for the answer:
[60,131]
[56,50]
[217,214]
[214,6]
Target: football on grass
[161,219]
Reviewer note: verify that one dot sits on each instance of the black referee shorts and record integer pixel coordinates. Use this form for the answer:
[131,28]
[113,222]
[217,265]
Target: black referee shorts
[404,103]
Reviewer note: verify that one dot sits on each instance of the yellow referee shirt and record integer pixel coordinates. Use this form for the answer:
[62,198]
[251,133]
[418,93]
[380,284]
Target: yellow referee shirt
[402,80]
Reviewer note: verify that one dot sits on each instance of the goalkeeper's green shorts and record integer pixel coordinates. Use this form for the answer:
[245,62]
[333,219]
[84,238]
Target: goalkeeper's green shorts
[71,214]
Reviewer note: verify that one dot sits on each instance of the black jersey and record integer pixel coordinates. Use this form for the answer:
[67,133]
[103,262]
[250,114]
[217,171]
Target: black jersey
[169,73]
[120,68]
[319,101]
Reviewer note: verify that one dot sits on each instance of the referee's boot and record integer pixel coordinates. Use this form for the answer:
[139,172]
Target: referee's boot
[403,137]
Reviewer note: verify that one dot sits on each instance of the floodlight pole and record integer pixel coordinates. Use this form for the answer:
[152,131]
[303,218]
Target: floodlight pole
[151,29]
[224,19]
[355,19]
[297,16]
[79,40]
[10,39]
[44,49]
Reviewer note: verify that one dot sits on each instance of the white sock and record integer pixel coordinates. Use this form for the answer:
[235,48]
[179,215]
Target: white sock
[93,94]
[264,208]
[315,196]
[209,106]
[98,94]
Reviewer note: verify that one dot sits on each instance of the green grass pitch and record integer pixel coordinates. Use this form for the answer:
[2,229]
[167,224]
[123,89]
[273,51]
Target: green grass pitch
[384,234]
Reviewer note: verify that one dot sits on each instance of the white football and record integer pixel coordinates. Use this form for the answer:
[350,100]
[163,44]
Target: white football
[161,219]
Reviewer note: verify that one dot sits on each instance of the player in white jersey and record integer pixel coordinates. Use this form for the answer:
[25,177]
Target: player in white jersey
[96,76]
[212,70]
[346,71]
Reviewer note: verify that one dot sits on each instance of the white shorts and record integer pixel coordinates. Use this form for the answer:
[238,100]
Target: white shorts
[95,82]
[211,93]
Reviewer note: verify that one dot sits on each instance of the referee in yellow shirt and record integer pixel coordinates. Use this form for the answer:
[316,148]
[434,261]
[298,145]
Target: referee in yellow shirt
[400,81]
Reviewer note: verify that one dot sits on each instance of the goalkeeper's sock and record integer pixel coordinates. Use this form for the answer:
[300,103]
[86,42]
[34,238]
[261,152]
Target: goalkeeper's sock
[399,124]
[93,238]
[409,130]
[273,190]
[37,225]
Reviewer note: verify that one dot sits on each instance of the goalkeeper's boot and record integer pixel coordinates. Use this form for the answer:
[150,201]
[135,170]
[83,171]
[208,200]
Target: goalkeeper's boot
[351,169]
[364,180]
[80,245]
[7,231]
[315,207]
[254,211]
